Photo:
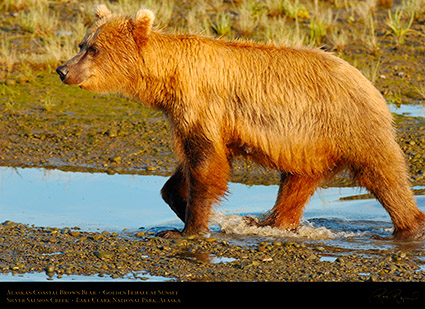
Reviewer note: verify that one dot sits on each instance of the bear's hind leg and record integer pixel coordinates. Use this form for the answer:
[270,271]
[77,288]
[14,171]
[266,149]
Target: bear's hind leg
[388,181]
[294,192]
[174,193]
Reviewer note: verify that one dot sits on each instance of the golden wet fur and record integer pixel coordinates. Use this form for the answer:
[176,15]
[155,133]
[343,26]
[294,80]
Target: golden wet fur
[301,111]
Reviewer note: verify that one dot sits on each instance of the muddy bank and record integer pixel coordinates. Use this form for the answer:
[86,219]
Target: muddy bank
[69,251]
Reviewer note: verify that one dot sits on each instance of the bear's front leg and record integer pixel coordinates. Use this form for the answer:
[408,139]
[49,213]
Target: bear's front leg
[206,171]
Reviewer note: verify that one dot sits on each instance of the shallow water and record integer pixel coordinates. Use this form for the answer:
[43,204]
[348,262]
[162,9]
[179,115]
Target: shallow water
[30,277]
[93,202]
[98,202]
[414,110]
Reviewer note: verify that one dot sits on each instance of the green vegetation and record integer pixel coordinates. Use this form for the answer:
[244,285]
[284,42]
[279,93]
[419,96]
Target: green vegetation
[39,35]
[399,27]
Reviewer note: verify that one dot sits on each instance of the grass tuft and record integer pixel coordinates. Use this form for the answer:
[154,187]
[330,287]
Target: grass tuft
[399,25]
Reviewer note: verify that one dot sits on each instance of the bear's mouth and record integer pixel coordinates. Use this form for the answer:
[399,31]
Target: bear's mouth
[81,84]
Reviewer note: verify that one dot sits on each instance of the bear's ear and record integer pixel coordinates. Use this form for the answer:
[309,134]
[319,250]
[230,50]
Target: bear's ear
[142,21]
[102,11]
[144,18]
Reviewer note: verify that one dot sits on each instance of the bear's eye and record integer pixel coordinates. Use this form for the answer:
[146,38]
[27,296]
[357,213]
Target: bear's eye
[92,50]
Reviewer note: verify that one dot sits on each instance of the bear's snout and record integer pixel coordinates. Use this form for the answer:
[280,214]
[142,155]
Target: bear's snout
[62,71]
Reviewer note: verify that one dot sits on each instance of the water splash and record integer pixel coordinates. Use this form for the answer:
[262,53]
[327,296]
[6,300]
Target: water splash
[235,224]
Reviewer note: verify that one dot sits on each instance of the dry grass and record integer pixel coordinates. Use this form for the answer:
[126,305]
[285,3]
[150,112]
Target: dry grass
[248,18]
[339,39]
[414,7]
[421,91]
[371,70]
[8,56]
[48,35]
[369,36]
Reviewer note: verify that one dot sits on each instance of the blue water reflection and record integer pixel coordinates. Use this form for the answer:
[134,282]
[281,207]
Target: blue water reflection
[99,201]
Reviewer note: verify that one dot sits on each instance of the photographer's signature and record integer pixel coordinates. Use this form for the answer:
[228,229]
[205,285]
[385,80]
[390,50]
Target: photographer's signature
[397,296]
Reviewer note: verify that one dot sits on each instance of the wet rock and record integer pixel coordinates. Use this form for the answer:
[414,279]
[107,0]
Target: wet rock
[9,224]
[339,260]
[112,133]
[291,244]
[116,159]
[277,243]
[190,259]
[104,255]
[225,243]
[50,268]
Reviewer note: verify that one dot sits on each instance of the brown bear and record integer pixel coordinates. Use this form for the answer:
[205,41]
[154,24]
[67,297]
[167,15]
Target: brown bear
[301,111]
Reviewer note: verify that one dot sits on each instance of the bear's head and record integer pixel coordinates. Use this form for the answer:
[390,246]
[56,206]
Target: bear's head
[109,52]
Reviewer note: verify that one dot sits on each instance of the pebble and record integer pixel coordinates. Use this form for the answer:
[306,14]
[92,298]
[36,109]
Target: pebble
[225,243]
[116,159]
[10,82]
[104,254]
[180,242]
[291,244]
[188,259]
[50,268]
[112,133]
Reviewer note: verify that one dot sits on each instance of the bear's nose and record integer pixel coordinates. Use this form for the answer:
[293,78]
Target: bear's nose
[62,71]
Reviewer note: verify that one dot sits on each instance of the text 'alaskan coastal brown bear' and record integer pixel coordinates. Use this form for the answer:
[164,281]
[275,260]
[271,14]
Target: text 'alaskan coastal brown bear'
[303,112]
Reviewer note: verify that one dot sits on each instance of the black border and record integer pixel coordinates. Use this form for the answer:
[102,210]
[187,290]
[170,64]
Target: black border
[210,293]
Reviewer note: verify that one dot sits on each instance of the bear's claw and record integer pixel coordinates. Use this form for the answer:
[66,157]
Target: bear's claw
[169,234]
[251,221]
